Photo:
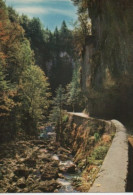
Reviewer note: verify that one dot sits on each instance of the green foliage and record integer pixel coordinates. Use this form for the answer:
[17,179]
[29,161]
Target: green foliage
[24,88]
[100,152]
[62,55]
[82,5]
[20,59]
[57,111]
[58,103]
[74,93]
[97,137]
[38,38]
[34,97]
[82,29]
[65,118]
[7,91]
[7,105]
[13,16]
[3,82]
[53,51]
[98,155]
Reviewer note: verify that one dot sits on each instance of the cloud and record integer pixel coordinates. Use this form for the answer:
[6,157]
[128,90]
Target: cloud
[34,1]
[41,10]
[31,10]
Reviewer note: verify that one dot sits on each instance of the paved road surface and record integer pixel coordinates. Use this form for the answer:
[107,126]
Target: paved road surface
[79,114]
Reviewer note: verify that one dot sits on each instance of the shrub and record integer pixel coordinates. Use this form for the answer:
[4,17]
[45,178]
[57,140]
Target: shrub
[97,137]
[100,152]
[65,118]
[98,155]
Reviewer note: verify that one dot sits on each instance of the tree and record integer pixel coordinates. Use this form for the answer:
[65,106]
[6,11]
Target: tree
[53,51]
[7,90]
[66,39]
[34,97]
[57,41]
[57,111]
[24,95]
[82,30]
[64,27]
[13,16]
[74,93]
[19,60]
[5,101]
[82,5]
[62,57]
[7,105]
[39,38]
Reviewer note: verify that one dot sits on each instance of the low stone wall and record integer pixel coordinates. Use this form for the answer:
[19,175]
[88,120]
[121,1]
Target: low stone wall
[80,129]
[79,119]
[113,173]
[112,176]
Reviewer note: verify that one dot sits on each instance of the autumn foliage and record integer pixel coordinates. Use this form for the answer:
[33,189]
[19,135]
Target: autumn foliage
[24,89]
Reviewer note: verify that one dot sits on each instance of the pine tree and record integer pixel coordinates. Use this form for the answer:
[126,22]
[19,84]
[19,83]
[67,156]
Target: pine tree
[57,111]
[74,93]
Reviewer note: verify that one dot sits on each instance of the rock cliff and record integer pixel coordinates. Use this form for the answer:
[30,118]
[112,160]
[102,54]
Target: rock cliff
[107,71]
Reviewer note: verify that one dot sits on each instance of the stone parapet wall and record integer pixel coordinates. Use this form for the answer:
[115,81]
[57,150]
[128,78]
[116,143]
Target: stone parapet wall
[113,173]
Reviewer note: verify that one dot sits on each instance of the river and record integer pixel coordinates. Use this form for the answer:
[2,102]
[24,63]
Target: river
[66,179]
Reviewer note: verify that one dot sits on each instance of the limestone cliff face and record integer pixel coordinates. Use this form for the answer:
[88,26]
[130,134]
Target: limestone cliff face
[107,71]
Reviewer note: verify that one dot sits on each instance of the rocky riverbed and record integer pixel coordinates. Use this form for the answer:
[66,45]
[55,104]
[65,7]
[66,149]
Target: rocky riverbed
[42,165]
[35,166]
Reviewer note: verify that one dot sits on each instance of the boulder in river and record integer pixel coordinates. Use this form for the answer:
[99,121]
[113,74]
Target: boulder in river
[67,167]
[21,183]
[21,172]
[71,169]
[11,189]
[48,186]
[63,157]
[49,172]
[30,162]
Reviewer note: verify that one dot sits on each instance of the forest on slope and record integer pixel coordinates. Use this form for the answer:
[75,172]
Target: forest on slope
[24,88]
[34,62]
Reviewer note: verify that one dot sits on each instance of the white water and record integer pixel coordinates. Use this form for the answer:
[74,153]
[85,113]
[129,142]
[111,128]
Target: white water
[55,157]
[66,185]
[66,182]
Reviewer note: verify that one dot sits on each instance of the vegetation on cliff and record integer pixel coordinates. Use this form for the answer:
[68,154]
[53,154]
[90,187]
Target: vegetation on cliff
[107,57]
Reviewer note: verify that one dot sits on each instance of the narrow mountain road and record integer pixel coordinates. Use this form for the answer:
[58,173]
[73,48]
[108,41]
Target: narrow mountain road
[79,114]
[113,173]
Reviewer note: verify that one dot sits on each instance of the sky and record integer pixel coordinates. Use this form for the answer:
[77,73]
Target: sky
[50,12]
